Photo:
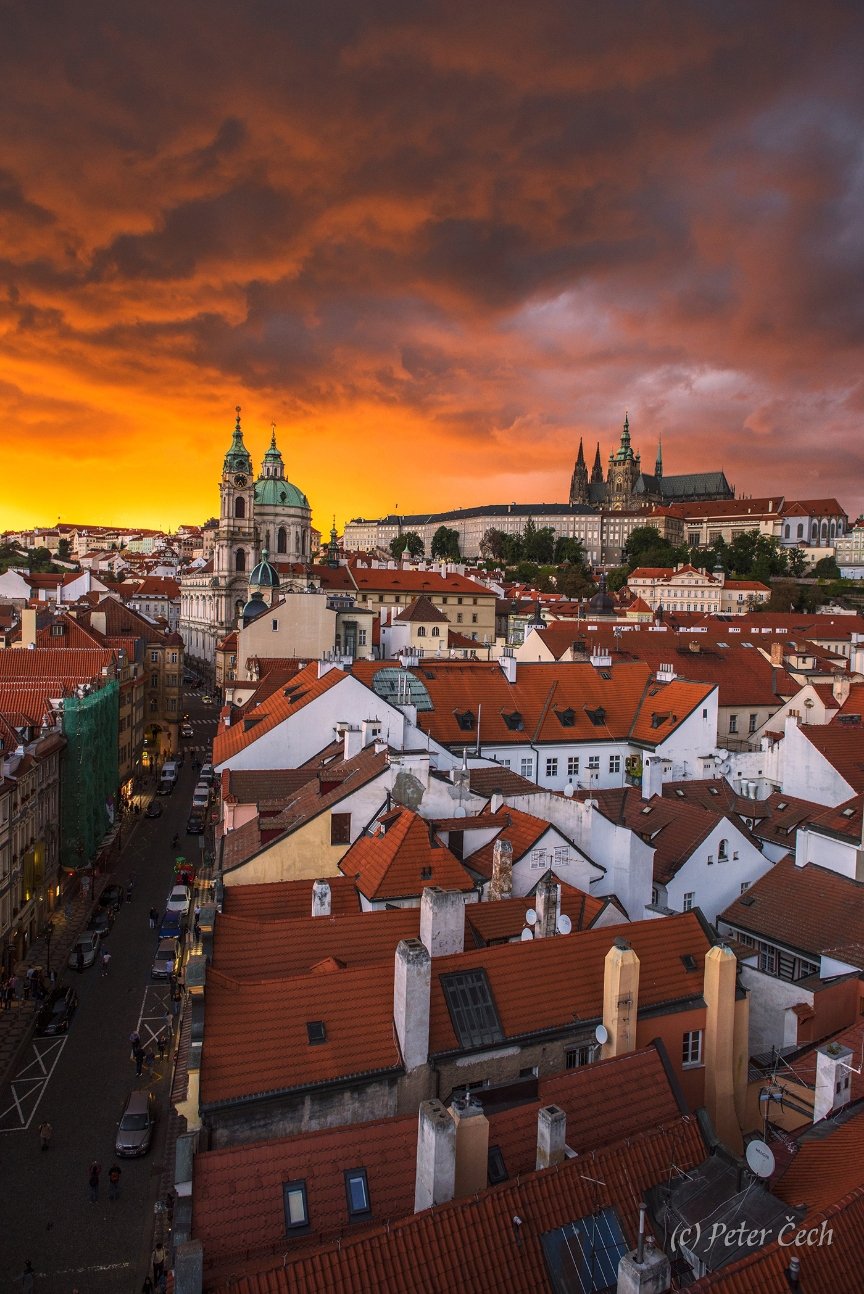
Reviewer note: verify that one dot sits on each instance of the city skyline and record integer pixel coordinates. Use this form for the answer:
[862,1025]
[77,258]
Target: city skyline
[435,247]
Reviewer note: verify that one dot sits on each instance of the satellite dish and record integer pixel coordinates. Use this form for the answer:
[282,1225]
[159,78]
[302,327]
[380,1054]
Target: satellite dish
[527,934]
[568,790]
[460,811]
[531,917]
[760,1158]
[601,1033]
[563,925]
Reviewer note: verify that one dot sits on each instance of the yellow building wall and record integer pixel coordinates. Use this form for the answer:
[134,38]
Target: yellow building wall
[304,855]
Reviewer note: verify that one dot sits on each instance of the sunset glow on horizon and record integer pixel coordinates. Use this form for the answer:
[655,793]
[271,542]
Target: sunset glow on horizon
[434,244]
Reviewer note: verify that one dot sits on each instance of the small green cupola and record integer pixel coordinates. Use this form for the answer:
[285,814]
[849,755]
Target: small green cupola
[333,547]
[238,458]
[264,575]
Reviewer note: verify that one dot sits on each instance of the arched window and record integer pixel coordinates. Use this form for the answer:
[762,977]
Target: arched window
[833,529]
[800,529]
[282,540]
[421,631]
[238,606]
[297,547]
[786,532]
[814,532]
[240,559]
[239,506]
[723,851]
[436,632]
[824,530]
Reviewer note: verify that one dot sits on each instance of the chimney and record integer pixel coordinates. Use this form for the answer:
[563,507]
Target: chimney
[601,658]
[665,672]
[411,992]
[547,898]
[508,664]
[777,654]
[652,776]
[502,870]
[99,622]
[840,687]
[28,626]
[833,1075]
[719,994]
[442,921]
[645,1270]
[435,1179]
[620,999]
[352,742]
[321,905]
[497,802]
[551,1136]
[368,730]
[472,1146]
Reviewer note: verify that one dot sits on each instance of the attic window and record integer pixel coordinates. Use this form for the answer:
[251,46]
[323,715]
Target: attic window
[513,721]
[848,813]
[427,673]
[496,1170]
[747,900]
[566,718]
[679,793]
[316,1031]
[465,720]
[658,719]
[357,1192]
[425,873]
[57,631]
[782,805]
[649,808]
[712,790]
[604,673]
[296,1206]
[597,717]
[689,962]
[472,1010]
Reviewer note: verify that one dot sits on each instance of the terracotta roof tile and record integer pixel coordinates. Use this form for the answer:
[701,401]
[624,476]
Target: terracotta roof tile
[264,786]
[469,1246]
[258,719]
[521,829]
[421,610]
[285,900]
[810,909]
[400,857]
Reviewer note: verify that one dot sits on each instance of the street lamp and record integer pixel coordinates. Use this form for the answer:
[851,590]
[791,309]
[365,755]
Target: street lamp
[49,930]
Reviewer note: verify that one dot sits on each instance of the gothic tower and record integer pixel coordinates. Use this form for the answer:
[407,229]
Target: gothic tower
[624,471]
[579,480]
[658,466]
[597,469]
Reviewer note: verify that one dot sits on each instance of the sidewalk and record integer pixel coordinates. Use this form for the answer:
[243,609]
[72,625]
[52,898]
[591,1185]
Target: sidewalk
[16,1024]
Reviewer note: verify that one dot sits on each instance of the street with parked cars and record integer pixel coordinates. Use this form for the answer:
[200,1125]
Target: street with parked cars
[105,1099]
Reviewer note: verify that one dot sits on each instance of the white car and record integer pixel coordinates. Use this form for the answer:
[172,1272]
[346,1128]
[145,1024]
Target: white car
[88,942]
[178,900]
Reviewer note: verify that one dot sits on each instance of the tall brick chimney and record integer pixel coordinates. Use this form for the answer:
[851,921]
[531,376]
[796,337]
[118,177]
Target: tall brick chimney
[551,1135]
[411,992]
[442,921]
[435,1179]
[546,899]
[502,870]
[620,999]
[472,1146]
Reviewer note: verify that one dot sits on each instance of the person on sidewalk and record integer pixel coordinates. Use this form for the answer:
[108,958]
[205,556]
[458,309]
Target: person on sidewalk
[46,1132]
[154,917]
[27,1279]
[93,1180]
[139,1059]
[106,963]
[114,1182]
[158,1262]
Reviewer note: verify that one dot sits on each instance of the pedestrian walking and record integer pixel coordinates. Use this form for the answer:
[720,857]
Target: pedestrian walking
[46,1132]
[8,994]
[106,963]
[158,1262]
[93,1180]
[176,998]
[113,1182]
[139,1059]
[27,1279]
[134,1041]
[162,1043]
[154,917]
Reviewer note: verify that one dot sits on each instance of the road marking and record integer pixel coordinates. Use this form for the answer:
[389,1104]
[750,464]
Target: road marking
[28,1086]
[155,1013]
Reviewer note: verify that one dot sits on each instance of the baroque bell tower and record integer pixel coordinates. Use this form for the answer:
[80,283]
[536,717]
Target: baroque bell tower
[235,550]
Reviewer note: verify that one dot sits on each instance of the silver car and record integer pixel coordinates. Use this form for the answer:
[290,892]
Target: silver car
[167,959]
[135,1129]
[88,943]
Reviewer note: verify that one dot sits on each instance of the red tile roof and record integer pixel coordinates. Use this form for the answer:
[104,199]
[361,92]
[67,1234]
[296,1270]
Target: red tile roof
[471,1245]
[258,719]
[378,580]
[810,909]
[69,666]
[238,1210]
[401,857]
[827,1166]
[843,748]
[421,611]
[521,829]
[284,900]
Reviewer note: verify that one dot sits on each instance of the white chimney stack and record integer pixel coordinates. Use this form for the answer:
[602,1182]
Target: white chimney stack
[507,662]
[833,1080]
[321,899]
[411,993]
[551,1136]
[435,1179]
[442,921]
[501,886]
[652,776]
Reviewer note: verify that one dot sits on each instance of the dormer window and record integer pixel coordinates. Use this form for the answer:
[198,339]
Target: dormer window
[513,721]
[566,718]
[316,1032]
[465,720]
[597,717]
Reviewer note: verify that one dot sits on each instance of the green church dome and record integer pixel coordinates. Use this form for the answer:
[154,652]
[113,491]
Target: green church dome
[276,492]
[264,575]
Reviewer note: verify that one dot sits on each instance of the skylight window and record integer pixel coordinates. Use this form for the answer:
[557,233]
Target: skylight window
[679,792]
[472,1011]
[782,805]
[316,1031]
[583,1256]
[496,1168]
[689,962]
[712,790]
[649,808]
[296,1206]
[357,1192]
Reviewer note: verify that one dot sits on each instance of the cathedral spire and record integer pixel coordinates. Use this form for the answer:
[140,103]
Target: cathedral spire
[658,466]
[579,479]
[273,465]
[597,469]
[238,458]
[580,457]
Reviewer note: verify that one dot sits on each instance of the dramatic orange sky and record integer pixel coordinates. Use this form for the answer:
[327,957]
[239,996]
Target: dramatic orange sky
[434,242]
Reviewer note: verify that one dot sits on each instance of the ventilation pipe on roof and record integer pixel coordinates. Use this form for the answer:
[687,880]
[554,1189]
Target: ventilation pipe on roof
[644,1270]
[551,1136]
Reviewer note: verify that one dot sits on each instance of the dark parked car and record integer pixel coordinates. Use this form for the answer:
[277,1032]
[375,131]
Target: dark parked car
[173,925]
[111,897]
[195,824]
[135,1129]
[153,810]
[101,919]
[57,1010]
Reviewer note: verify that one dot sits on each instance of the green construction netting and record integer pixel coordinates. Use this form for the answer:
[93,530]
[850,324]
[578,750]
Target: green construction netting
[89,773]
